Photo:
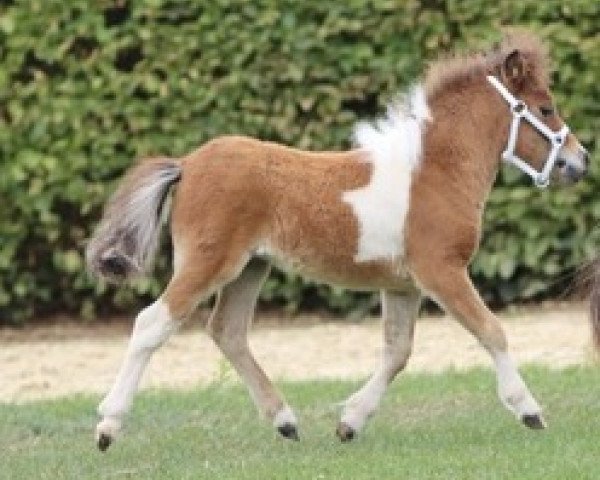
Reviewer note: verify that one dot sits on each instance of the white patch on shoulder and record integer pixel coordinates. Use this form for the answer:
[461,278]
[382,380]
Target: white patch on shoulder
[393,145]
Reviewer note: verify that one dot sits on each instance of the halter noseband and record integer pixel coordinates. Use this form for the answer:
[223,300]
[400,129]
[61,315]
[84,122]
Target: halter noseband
[557,139]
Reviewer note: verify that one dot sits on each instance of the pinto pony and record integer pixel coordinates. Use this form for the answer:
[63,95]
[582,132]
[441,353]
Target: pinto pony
[401,213]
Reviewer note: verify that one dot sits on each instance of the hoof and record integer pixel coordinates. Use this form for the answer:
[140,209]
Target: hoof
[288,430]
[104,442]
[106,432]
[535,422]
[345,432]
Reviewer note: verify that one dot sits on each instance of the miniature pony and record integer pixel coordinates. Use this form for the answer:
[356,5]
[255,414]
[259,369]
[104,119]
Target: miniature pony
[401,213]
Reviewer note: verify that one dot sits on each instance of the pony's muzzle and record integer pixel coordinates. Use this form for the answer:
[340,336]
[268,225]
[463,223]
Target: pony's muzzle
[572,166]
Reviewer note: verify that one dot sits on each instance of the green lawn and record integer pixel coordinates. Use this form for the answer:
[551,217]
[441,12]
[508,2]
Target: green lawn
[447,426]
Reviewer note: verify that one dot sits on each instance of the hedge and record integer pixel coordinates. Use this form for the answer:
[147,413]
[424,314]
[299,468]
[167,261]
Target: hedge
[88,87]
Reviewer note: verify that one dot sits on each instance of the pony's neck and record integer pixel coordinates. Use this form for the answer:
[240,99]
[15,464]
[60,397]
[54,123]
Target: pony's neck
[465,140]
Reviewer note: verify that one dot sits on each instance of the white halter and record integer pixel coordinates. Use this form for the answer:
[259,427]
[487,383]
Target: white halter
[557,139]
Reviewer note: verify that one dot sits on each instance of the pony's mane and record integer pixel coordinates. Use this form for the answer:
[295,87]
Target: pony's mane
[459,70]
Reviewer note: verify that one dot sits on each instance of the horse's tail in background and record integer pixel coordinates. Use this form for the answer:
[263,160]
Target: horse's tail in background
[127,237]
[595,302]
[589,282]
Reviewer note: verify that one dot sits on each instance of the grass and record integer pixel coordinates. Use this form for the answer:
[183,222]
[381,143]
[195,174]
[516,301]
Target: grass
[448,426]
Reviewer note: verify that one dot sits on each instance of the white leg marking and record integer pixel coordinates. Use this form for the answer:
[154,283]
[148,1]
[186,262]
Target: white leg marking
[512,390]
[393,146]
[361,405]
[153,326]
[399,313]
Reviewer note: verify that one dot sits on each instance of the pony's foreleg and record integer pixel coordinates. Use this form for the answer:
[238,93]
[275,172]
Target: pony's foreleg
[399,312]
[454,291]
[228,327]
[153,326]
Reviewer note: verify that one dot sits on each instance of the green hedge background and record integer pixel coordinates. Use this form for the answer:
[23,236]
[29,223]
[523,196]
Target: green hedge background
[86,87]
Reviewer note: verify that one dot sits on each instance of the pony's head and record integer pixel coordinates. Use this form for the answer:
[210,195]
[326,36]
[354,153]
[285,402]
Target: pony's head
[539,141]
[516,92]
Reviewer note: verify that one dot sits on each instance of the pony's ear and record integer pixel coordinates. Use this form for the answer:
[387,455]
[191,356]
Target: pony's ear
[515,69]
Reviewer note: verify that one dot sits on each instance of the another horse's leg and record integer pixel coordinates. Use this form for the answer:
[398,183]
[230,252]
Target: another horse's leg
[452,289]
[399,312]
[228,327]
[152,327]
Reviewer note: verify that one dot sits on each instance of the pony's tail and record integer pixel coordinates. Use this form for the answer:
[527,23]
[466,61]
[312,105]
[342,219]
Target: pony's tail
[589,283]
[127,237]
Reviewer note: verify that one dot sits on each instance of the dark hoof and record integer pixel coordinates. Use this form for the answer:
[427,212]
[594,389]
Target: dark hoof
[535,422]
[345,432]
[104,442]
[288,430]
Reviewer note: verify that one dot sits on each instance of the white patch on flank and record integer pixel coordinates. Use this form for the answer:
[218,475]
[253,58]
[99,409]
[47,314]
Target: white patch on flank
[393,145]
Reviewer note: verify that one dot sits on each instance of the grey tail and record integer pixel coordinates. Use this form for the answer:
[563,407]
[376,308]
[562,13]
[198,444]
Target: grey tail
[126,238]
[595,303]
[589,282]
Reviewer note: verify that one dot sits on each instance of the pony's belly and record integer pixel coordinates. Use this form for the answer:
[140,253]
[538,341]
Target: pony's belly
[340,272]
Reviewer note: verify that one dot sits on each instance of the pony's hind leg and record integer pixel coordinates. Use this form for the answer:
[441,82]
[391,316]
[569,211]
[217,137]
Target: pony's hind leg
[228,326]
[152,327]
[399,311]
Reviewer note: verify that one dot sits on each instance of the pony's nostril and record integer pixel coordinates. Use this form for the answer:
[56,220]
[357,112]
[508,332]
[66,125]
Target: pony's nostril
[560,163]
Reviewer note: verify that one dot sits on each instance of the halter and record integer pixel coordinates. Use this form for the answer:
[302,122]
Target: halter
[557,139]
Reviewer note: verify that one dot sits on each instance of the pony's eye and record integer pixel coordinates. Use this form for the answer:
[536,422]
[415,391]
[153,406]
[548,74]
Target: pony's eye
[546,111]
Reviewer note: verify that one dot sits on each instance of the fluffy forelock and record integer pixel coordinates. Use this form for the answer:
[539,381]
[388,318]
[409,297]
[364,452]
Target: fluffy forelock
[456,70]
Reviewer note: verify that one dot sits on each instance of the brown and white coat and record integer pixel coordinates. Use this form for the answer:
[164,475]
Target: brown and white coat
[401,213]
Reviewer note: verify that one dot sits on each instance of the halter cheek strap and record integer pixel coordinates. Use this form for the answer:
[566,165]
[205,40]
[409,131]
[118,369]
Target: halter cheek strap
[520,111]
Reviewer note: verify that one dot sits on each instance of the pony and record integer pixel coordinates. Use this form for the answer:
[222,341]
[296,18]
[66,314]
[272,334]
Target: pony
[400,213]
